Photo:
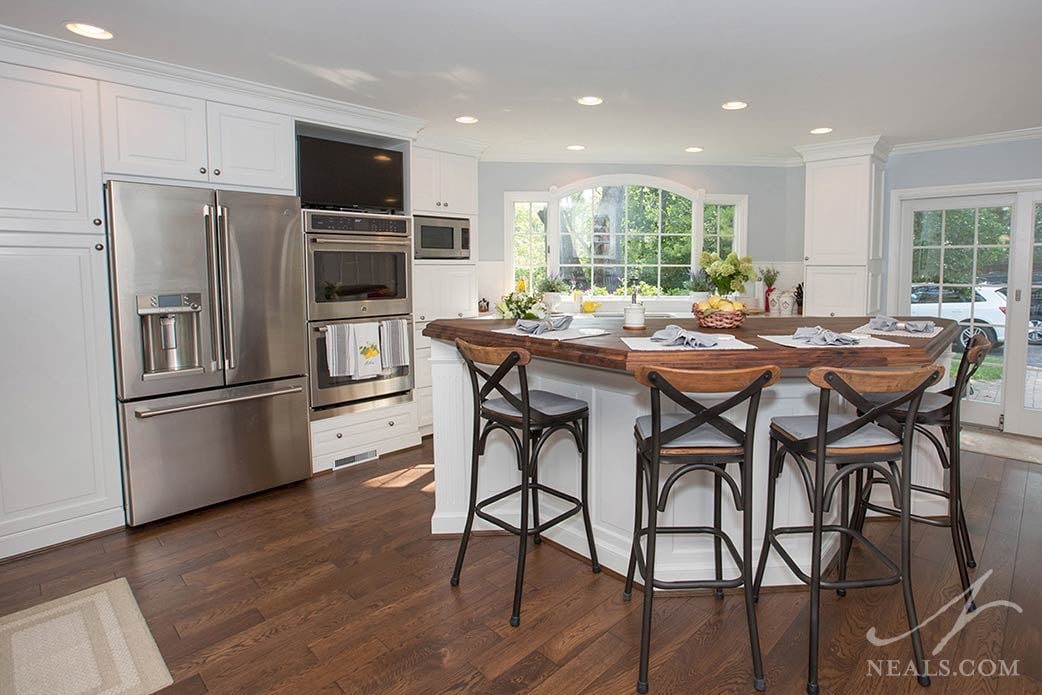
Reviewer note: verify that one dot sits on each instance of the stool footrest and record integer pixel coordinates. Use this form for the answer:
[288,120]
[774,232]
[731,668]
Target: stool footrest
[827,583]
[690,584]
[479,509]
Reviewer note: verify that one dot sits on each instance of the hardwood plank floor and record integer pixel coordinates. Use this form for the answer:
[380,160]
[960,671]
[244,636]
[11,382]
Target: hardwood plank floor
[334,585]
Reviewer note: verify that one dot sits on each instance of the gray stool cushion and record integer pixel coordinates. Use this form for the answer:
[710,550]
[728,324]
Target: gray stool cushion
[545,402]
[804,426]
[702,436]
[931,401]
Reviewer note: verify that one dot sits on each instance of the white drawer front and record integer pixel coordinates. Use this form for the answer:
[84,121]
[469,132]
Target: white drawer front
[357,434]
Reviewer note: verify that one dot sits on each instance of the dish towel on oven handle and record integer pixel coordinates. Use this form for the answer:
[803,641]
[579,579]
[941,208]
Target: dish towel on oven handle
[366,348]
[394,343]
[339,350]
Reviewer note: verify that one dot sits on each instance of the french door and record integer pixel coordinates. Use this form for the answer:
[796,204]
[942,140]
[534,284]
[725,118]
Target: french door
[1023,408]
[978,260]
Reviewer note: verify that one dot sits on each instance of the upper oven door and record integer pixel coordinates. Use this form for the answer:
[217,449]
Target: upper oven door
[442,237]
[353,276]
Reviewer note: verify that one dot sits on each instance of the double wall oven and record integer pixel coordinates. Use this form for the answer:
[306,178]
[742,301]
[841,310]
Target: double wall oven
[359,269]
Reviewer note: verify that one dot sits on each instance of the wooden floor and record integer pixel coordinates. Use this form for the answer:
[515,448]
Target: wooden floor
[335,586]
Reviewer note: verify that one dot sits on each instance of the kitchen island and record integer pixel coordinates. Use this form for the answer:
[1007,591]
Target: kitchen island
[599,371]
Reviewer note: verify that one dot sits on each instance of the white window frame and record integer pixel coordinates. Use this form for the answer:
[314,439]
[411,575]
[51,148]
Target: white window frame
[698,196]
[509,198]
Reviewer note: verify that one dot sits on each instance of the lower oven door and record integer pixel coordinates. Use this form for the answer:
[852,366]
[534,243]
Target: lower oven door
[329,390]
[355,276]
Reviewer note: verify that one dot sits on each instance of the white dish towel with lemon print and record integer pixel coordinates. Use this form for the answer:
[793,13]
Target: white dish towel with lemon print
[367,350]
[353,350]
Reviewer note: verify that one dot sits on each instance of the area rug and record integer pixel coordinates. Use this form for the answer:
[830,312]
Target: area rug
[94,642]
[1001,444]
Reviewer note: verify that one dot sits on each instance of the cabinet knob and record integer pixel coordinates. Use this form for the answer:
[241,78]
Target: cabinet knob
[390,423]
[99,247]
[202,170]
[832,313]
[339,435]
[423,318]
[438,203]
[460,314]
[216,172]
[445,204]
[806,258]
[97,221]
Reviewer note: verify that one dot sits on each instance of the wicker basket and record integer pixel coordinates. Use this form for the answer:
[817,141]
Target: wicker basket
[719,319]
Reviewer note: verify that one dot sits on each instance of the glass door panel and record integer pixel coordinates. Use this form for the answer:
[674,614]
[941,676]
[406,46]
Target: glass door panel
[1024,411]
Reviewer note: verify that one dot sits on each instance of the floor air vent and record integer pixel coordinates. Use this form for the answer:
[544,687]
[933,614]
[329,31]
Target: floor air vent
[357,458]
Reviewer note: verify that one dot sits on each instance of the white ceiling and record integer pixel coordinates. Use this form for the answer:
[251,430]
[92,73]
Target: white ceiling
[912,70]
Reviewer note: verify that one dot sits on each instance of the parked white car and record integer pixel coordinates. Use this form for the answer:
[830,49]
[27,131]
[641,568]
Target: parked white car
[985,305]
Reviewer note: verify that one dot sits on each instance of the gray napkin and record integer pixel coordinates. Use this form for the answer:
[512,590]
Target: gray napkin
[885,323]
[675,335]
[816,335]
[540,326]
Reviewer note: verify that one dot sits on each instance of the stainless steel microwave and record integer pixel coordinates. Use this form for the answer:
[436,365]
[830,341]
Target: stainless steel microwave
[441,237]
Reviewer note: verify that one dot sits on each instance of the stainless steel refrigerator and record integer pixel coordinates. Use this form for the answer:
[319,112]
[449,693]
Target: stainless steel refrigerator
[211,353]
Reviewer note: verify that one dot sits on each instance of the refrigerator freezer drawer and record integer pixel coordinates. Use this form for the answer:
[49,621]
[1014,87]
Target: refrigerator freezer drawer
[185,452]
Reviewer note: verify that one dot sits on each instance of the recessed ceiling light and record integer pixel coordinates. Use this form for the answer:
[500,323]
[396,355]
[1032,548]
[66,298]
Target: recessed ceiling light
[576,148]
[89,30]
[821,131]
[466,120]
[590,101]
[692,149]
[733,105]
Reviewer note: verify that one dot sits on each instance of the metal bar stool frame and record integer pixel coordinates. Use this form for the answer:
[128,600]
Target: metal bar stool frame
[528,432]
[949,419]
[905,388]
[654,451]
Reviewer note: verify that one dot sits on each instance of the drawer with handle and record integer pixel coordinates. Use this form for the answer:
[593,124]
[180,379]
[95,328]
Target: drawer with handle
[356,434]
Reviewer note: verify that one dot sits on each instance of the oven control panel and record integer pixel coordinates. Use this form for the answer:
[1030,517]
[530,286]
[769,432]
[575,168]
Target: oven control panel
[347,223]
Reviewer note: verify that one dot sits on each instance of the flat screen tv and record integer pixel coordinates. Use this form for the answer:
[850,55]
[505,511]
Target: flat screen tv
[342,176]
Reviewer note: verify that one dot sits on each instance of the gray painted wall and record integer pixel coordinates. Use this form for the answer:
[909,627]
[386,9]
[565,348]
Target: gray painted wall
[776,198]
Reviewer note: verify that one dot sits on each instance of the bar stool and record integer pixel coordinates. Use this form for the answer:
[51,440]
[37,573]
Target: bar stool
[697,440]
[529,418]
[852,443]
[941,409]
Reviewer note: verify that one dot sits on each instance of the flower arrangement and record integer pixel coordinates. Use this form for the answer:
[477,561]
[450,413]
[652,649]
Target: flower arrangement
[728,274]
[519,304]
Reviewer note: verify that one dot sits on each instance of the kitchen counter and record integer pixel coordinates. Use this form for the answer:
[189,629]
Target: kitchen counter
[596,370]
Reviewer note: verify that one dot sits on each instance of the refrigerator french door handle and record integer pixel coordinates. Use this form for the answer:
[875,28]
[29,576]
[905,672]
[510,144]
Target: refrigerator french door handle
[229,322]
[215,286]
[148,412]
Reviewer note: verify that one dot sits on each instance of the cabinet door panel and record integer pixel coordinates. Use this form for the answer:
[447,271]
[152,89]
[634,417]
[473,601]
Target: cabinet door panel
[459,184]
[424,179]
[835,291]
[458,292]
[58,416]
[425,293]
[250,148]
[51,178]
[148,133]
[837,213]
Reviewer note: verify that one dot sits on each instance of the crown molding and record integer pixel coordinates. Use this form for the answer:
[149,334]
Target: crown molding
[968,141]
[688,161]
[99,63]
[468,146]
[872,146]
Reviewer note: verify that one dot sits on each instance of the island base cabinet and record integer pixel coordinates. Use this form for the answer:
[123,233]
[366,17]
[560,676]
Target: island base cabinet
[59,471]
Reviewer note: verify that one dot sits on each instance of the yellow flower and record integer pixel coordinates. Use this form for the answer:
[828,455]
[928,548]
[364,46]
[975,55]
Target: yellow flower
[520,287]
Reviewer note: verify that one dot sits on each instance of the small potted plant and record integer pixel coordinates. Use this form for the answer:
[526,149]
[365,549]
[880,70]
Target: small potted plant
[554,290]
[728,275]
[700,287]
[769,275]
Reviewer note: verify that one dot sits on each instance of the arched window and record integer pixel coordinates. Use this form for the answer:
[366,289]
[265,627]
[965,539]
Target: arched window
[608,234]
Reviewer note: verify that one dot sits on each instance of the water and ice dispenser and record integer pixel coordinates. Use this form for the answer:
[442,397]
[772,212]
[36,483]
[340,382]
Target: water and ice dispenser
[170,328]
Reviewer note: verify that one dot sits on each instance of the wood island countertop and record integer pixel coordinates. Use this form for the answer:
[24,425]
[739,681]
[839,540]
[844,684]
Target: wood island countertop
[609,352]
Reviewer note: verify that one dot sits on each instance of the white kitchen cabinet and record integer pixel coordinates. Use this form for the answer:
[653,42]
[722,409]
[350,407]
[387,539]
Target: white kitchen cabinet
[444,291]
[443,182]
[838,291]
[51,175]
[150,133]
[248,147]
[162,135]
[60,470]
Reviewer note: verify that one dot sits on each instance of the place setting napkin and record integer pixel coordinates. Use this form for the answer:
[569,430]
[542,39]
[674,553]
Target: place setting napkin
[551,328]
[673,337]
[886,325]
[817,336]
